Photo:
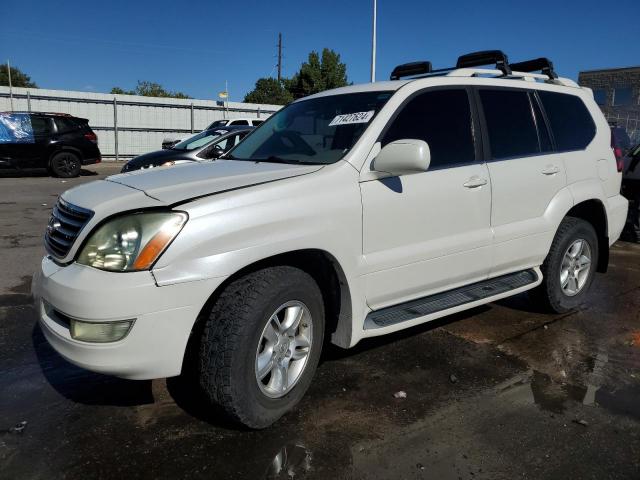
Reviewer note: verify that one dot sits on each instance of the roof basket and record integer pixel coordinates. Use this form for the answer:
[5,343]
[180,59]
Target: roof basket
[485,57]
[541,64]
[410,69]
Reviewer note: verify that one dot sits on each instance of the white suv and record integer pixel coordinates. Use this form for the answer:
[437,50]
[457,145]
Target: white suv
[349,214]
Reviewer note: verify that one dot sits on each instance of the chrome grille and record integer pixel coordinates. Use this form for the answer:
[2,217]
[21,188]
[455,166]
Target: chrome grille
[64,226]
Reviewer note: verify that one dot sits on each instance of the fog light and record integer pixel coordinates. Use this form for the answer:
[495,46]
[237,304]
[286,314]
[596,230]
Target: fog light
[100,332]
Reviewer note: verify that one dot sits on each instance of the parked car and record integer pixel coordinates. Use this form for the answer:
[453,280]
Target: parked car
[169,142]
[59,142]
[348,214]
[620,143]
[631,190]
[206,145]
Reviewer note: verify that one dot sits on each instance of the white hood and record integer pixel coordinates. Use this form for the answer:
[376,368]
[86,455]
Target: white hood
[178,183]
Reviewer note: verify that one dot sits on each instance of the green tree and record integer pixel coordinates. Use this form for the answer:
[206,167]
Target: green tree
[18,78]
[269,90]
[149,89]
[318,73]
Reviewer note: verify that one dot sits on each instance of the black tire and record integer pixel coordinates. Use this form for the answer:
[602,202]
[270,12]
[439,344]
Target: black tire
[549,294]
[233,331]
[65,165]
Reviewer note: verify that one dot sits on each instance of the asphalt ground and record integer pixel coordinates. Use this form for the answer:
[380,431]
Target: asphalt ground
[499,392]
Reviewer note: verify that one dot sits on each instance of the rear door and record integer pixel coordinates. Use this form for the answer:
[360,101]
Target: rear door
[430,231]
[526,174]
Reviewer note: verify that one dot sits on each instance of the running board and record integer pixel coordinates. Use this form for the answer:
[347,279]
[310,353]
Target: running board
[449,299]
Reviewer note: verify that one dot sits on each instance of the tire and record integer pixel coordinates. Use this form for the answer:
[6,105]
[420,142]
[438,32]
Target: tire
[554,294]
[235,334]
[65,165]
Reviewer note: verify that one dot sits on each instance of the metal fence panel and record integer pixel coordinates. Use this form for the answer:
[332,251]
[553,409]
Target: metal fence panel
[142,122]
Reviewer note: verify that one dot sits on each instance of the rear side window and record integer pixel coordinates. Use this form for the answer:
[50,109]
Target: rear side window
[240,122]
[256,122]
[571,122]
[64,124]
[442,118]
[41,125]
[510,121]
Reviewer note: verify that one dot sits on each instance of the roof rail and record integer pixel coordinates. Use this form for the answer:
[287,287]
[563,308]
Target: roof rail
[410,69]
[485,57]
[541,64]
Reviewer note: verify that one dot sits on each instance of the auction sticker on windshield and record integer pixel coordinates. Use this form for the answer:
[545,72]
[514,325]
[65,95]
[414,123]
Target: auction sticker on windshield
[349,118]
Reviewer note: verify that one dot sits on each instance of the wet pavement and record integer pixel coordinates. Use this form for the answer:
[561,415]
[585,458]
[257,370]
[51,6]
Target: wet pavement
[498,392]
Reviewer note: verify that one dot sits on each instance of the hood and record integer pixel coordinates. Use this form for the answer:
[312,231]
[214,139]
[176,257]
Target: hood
[180,183]
[157,158]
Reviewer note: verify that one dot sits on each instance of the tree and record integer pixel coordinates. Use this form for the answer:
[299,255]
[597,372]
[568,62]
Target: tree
[18,78]
[149,89]
[269,90]
[318,74]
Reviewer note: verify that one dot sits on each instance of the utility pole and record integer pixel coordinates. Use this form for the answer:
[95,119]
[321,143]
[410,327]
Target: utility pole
[279,56]
[10,86]
[373,42]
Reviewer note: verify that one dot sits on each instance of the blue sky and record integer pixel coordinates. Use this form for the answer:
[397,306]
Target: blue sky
[195,46]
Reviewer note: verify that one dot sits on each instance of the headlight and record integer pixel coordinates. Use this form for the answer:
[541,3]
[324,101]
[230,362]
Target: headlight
[132,242]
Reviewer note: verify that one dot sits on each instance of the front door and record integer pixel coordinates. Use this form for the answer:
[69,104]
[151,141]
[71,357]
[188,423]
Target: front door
[428,232]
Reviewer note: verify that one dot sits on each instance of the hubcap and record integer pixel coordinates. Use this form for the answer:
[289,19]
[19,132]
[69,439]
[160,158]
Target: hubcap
[575,268]
[66,163]
[283,349]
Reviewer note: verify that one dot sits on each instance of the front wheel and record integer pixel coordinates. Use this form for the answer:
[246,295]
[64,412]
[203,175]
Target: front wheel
[261,344]
[570,266]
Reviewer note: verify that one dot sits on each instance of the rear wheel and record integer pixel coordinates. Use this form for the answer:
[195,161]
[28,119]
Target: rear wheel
[65,165]
[261,344]
[570,266]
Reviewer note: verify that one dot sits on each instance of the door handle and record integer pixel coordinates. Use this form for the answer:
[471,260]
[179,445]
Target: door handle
[475,182]
[550,170]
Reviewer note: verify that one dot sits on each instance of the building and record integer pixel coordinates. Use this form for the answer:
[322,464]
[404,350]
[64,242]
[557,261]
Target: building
[617,91]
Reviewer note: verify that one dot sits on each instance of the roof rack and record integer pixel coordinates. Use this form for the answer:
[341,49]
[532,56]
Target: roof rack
[541,64]
[485,57]
[410,69]
[466,66]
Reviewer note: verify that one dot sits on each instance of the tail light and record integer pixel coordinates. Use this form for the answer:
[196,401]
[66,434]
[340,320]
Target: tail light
[92,137]
[617,151]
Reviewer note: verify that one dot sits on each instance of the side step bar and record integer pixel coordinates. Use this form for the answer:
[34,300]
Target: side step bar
[449,299]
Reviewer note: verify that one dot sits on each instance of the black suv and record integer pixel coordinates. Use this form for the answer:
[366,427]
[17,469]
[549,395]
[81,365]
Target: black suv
[58,142]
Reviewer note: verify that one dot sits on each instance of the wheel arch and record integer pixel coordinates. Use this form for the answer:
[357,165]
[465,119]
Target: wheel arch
[594,212]
[323,267]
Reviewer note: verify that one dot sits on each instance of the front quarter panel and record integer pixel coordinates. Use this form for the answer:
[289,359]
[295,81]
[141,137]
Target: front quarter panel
[229,231]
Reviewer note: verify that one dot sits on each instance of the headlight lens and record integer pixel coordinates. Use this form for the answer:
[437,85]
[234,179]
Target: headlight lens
[132,242]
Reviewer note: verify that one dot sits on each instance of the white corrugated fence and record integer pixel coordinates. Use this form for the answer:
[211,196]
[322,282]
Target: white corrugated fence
[129,125]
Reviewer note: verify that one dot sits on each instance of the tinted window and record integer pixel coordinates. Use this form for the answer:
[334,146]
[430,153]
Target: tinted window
[543,130]
[240,122]
[512,130]
[442,118]
[41,125]
[256,122]
[571,122]
[622,96]
[65,124]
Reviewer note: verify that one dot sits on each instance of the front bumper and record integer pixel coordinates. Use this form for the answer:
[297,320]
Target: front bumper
[164,317]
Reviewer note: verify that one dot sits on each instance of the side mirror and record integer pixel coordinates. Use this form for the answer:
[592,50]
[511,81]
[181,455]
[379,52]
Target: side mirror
[403,157]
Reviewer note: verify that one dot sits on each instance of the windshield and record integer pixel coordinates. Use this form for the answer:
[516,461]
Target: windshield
[217,123]
[198,140]
[320,130]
